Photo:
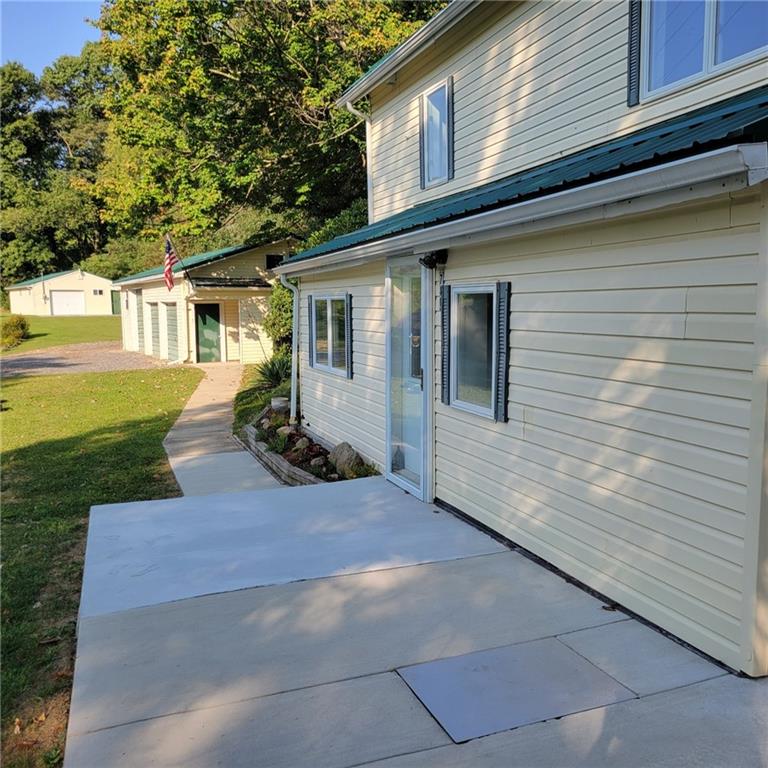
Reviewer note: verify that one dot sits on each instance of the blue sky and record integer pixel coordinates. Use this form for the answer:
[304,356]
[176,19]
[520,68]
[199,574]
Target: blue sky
[37,33]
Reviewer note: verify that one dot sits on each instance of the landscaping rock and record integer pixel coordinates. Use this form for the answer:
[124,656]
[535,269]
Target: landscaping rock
[346,460]
[301,444]
[264,424]
[318,461]
[334,476]
[286,430]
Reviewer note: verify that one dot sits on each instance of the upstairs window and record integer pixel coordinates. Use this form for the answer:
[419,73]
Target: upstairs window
[436,134]
[685,40]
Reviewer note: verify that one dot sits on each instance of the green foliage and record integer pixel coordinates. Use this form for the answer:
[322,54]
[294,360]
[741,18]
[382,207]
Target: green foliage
[70,442]
[274,371]
[46,331]
[277,443]
[13,330]
[52,137]
[171,122]
[207,126]
[278,321]
[348,220]
[252,399]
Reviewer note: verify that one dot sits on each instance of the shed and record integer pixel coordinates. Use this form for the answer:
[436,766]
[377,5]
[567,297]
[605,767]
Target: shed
[73,292]
[214,312]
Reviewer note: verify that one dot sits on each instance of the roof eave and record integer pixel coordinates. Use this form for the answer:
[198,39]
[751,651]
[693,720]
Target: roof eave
[721,170]
[438,25]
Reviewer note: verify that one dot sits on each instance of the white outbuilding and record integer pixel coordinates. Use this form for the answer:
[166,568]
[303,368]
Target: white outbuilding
[73,292]
[213,313]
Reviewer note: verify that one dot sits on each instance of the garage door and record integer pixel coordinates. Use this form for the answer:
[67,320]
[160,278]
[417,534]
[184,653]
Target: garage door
[154,317]
[67,303]
[172,326]
[139,321]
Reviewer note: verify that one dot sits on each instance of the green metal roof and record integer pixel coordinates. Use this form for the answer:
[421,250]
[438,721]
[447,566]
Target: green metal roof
[198,260]
[687,134]
[33,280]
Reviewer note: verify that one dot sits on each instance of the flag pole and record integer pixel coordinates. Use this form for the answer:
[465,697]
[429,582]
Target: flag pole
[181,261]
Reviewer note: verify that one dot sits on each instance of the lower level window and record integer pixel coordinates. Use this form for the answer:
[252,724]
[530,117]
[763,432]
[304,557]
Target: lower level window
[473,348]
[330,334]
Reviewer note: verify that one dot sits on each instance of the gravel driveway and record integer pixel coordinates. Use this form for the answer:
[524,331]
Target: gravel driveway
[76,358]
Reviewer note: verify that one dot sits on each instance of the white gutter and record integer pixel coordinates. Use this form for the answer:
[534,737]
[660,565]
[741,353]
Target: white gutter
[294,345]
[424,36]
[368,173]
[722,170]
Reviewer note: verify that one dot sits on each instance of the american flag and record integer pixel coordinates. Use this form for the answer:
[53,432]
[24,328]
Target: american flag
[170,259]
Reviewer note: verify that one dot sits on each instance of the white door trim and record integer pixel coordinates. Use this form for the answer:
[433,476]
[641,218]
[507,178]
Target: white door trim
[424,491]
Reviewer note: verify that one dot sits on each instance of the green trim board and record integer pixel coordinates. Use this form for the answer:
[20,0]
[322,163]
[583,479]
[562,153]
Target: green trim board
[703,129]
[198,260]
[201,259]
[40,279]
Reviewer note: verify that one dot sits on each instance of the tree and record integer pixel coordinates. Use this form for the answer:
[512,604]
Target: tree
[52,137]
[225,104]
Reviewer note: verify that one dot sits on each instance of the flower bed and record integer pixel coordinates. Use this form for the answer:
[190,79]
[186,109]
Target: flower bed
[293,456]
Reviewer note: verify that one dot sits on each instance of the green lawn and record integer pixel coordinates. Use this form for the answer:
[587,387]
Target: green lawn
[55,331]
[69,442]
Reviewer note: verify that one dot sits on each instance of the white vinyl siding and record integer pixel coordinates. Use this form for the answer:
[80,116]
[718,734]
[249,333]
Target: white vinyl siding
[531,82]
[625,459]
[155,294]
[338,409]
[255,345]
[230,317]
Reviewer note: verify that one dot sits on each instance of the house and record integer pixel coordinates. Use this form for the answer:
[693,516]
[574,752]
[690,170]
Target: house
[72,292]
[215,311]
[556,321]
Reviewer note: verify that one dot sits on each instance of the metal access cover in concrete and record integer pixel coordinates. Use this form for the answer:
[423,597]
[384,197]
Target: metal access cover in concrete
[490,691]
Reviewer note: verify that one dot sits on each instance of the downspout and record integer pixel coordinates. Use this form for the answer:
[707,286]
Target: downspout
[294,345]
[368,174]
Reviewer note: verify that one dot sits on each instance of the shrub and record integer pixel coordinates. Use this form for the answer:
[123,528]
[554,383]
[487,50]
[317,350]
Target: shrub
[278,443]
[14,330]
[273,372]
[278,322]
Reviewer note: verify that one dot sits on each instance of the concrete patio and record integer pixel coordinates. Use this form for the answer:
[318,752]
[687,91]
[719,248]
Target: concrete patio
[279,627]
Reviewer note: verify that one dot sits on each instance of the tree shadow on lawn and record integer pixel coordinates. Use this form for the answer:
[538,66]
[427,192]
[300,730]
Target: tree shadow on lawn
[47,490]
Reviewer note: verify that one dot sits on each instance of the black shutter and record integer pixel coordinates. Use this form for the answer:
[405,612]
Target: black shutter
[310,332]
[449,94]
[422,145]
[633,54]
[502,352]
[348,333]
[445,344]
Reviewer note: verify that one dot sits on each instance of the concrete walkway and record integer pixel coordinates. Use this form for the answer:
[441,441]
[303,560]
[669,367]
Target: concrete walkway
[314,672]
[201,450]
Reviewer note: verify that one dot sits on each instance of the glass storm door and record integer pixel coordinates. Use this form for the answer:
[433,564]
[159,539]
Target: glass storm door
[405,450]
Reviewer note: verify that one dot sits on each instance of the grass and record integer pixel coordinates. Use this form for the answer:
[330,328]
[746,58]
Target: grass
[57,331]
[253,397]
[69,442]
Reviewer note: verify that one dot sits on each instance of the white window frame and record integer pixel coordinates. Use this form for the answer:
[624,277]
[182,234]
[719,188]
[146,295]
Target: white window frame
[424,149]
[709,68]
[456,291]
[328,298]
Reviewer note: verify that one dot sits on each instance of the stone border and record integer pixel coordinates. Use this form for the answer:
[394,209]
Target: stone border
[281,468]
